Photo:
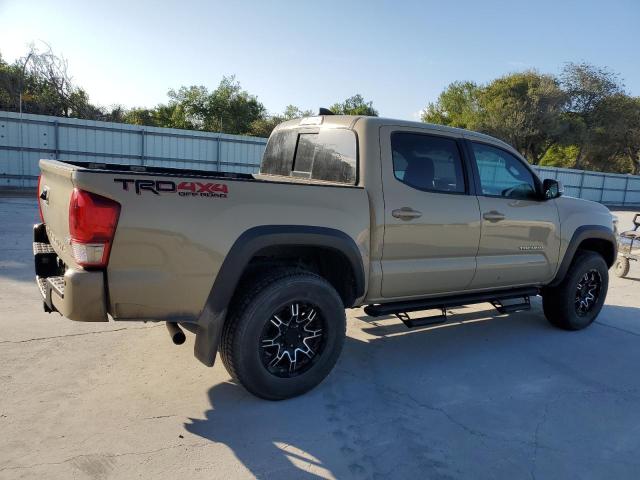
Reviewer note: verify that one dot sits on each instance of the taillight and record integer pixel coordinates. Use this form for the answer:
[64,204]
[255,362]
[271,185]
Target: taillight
[38,197]
[92,225]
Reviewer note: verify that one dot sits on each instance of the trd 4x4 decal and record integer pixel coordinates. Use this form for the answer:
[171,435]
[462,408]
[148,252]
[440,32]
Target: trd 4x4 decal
[184,189]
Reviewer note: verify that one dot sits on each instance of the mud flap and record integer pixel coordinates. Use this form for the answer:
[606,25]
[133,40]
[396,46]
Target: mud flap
[208,335]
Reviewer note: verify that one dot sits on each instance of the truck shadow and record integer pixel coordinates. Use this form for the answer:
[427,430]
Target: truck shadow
[450,401]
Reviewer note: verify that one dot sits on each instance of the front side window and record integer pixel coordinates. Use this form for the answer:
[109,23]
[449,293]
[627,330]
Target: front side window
[502,174]
[328,154]
[427,162]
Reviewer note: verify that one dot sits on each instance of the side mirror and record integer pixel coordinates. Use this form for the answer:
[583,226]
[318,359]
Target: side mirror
[552,189]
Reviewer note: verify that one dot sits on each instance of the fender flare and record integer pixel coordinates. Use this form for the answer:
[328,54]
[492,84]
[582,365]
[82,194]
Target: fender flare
[211,320]
[585,232]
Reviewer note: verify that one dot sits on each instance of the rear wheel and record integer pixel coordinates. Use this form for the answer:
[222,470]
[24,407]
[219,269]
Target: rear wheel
[284,334]
[577,301]
[622,266]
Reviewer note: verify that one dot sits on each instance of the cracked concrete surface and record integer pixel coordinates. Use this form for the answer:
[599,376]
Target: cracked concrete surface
[484,396]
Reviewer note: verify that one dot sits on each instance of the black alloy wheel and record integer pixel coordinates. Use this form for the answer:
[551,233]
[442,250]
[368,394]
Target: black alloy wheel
[292,340]
[588,292]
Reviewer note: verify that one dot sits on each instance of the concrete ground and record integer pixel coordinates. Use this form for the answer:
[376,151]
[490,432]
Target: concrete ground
[484,396]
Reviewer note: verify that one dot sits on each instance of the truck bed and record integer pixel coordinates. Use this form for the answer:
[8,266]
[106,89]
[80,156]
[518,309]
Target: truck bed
[176,227]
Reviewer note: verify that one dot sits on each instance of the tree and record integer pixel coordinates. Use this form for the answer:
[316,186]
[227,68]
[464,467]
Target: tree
[563,156]
[140,116]
[457,106]
[525,109]
[42,80]
[188,108]
[231,109]
[580,119]
[263,127]
[587,87]
[614,142]
[355,105]
[291,112]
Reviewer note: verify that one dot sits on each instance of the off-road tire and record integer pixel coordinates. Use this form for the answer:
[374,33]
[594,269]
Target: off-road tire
[622,266]
[559,302]
[250,312]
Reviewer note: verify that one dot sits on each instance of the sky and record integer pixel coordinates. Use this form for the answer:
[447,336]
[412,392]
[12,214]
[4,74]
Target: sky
[398,54]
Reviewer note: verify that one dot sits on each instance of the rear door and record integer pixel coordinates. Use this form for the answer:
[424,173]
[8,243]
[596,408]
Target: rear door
[520,240]
[432,221]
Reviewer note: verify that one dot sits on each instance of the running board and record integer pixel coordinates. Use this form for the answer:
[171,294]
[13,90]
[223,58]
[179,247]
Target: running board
[422,321]
[443,303]
[512,307]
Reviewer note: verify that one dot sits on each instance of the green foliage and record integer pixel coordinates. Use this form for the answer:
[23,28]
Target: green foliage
[580,119]
[355,105]
[525,109]
[41,79]
[291,112]
[228,108]
[263,127]
[457,106]
[560,156]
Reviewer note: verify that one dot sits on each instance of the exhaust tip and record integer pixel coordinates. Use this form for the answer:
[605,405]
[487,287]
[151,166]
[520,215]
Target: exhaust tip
[177,335]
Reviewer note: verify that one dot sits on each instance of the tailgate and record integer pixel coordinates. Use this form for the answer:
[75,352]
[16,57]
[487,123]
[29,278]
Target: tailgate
[54,192]
[74,292]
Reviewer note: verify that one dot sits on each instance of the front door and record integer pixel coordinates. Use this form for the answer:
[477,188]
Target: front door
[520,240]
[432,223]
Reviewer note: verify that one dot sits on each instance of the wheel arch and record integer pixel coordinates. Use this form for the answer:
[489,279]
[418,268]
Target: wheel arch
[595,238]
[262,244]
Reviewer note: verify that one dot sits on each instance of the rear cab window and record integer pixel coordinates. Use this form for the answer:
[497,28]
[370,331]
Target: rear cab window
[325,154]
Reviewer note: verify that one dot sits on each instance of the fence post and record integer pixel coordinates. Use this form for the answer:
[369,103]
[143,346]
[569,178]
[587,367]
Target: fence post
[142,137]
[604,181]
[626,189]
[56,139]
[218,152]
[22,179]
[581,184]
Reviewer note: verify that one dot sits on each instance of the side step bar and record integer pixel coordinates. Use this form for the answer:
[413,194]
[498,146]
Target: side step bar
[400,309]
[422,321]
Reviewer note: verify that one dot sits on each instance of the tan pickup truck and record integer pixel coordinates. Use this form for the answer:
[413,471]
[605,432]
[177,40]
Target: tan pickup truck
[396,216]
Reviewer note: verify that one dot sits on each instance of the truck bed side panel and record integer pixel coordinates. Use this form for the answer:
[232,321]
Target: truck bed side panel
[171,242]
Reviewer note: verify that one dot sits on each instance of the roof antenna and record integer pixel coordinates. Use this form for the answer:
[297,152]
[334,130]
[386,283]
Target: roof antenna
[325,111]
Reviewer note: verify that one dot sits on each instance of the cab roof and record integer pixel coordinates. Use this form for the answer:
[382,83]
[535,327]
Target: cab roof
[349,121]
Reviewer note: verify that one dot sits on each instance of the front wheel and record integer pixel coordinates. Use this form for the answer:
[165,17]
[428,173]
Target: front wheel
[576,302]
[284,334]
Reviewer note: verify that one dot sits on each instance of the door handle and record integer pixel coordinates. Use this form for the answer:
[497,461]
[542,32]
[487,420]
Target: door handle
[493,216]
[406,213]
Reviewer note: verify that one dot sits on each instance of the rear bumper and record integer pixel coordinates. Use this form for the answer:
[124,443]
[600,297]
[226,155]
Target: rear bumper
[76,294]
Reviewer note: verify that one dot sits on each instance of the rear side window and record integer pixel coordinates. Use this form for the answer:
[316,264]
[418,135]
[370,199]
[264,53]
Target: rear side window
[328,154]
[427,162]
